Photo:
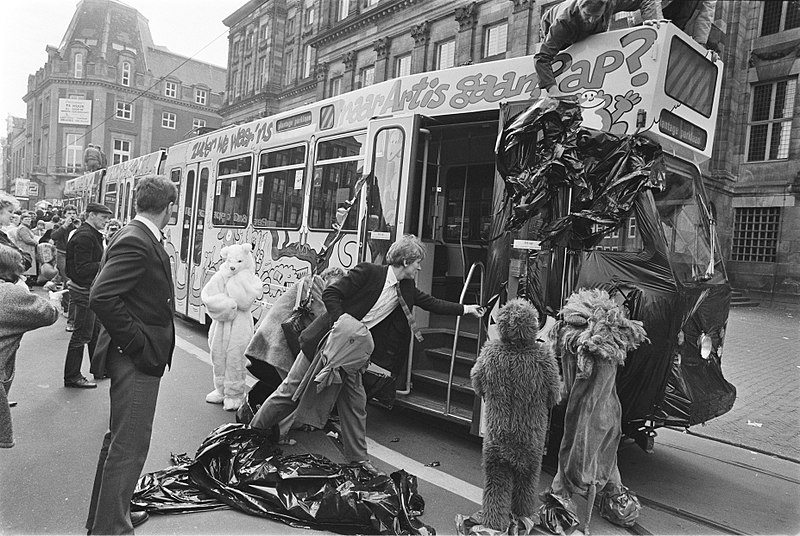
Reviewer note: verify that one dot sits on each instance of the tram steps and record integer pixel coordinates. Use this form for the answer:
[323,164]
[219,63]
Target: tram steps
[431,405]
[438,378]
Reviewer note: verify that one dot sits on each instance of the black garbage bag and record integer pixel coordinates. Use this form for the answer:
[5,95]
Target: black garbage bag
[240,467]
[541,151]
[620,506]
[557,514]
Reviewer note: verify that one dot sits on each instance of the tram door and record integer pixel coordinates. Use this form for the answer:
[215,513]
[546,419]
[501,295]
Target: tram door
[193,223]
[386,205]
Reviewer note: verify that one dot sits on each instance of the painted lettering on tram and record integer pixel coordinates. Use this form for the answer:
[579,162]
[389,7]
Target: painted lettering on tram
[242,137]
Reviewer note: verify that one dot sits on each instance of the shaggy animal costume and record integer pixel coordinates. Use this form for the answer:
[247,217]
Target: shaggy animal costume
[518,380]
[228,297]
[592,339]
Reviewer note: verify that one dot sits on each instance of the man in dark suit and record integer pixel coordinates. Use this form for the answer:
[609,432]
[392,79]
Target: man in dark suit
[84,252]
[381,297]
[133,299]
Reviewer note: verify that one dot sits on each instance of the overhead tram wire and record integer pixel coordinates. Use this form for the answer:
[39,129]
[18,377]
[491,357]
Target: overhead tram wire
[59,153]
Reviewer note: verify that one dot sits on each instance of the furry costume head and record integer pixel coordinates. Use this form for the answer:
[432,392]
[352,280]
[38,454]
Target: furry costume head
[237,258]
[518,321]
[595,328]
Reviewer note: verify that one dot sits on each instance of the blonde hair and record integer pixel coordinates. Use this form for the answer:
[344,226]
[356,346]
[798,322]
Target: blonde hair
[406,249]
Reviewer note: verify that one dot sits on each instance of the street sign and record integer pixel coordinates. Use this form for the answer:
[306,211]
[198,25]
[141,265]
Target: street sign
[33,190]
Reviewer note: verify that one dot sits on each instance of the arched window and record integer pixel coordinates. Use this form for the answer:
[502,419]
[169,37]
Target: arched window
[125,80]
[78,65]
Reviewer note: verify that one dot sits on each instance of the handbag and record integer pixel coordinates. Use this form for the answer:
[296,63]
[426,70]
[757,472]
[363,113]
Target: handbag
[300,319]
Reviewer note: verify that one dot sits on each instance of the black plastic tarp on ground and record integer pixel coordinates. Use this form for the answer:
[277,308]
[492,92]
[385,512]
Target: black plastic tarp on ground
[239,467]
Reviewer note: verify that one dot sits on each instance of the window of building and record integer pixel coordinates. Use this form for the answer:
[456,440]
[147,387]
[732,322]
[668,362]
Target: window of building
[310,15]
[771,120]
[262,73]
[338,166]
[73,153]
[124,111]
[78,65]
[279,188]
[247,82]
[236,45]
[290,27]
[200,96]
[445,54]
[121,152]
[402,65]
[632,227]
[335,86]
[170,89]
[125,77]
[495,39]
[289,67]
[308,61]
[366,77]
[249,41]
[344,9]
[372,2]
[235,91]
[755,234]
[46,105]
[197,124]
[780,16]
[263,32]
[168,120]
[232,192]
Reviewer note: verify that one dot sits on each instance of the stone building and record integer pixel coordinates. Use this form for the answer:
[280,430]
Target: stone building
[284,53]
[109,85]
[13,153]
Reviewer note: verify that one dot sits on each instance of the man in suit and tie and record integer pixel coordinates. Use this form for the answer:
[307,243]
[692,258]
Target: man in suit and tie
[133,299]
[381,297]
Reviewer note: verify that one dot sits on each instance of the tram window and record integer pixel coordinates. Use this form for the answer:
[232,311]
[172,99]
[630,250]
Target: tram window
[200,224]
[110,197]
[175,177]
[684,222]
[279,188]
[232,192]
[188,211]
[468,208]
[338,166]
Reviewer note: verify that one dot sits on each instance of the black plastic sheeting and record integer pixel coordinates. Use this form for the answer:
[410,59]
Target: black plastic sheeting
[543,155]
[239,467]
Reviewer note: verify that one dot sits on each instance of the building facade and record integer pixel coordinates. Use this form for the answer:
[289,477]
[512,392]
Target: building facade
[284,53]
[13,154]
[109,85]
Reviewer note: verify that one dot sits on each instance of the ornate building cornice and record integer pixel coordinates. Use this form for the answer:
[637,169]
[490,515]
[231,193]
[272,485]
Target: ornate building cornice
[421,33]
[349,60]
[381,47]
[467,16]
[351,24]
[321,71]
[522,5]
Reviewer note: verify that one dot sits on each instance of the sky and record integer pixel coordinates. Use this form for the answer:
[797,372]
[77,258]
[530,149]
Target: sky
[191,28]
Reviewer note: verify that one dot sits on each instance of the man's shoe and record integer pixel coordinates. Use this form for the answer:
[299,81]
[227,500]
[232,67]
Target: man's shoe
[137,518]
[81,383]
[368,467]
[69,327]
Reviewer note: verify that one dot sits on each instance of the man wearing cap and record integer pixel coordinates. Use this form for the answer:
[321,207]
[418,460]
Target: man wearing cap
[84,251]
[574,20]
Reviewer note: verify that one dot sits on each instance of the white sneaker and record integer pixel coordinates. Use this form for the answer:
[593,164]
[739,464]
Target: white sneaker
[215,397]
[231,403]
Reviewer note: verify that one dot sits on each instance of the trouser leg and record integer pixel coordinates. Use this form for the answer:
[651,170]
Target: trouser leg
[352,407]
[280,404]
[133,404]
[83,334]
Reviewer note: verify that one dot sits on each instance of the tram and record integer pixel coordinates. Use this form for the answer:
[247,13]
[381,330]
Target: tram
[114,186]
[416,154]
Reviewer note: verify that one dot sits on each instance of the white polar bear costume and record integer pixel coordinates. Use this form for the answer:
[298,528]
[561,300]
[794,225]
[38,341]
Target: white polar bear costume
[228,297]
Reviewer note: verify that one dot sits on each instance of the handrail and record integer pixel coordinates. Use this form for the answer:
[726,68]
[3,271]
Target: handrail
[472,268]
